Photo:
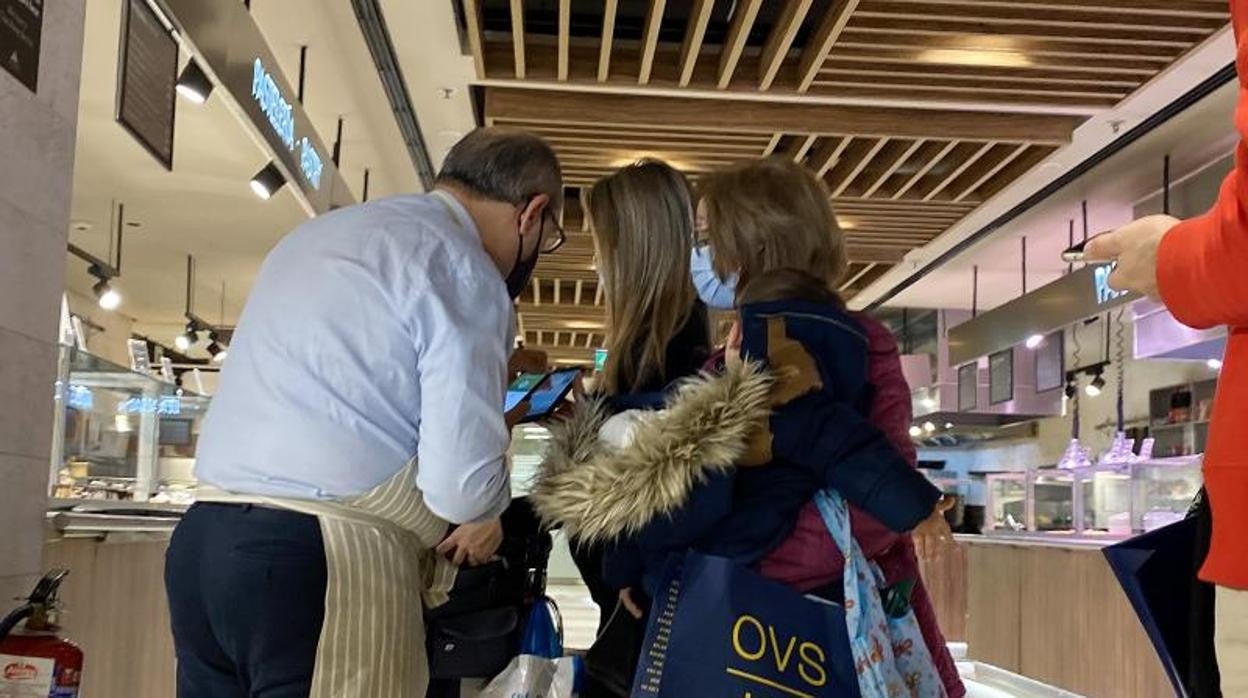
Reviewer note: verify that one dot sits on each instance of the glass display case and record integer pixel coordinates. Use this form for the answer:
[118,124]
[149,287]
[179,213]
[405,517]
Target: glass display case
[1007,506]
[121,435]
[1128,498]
[1056,500]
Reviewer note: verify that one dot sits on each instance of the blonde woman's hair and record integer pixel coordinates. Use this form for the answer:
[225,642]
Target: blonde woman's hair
[771,214]
[642,221]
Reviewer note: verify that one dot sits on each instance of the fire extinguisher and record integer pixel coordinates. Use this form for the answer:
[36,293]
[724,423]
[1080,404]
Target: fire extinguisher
[33,660]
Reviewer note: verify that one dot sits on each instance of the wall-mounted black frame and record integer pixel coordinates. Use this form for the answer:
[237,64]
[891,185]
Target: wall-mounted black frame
[968,387]
[163,152]
[1001,377]
[1051,363]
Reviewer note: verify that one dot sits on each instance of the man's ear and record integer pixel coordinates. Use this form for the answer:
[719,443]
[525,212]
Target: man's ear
[531,215]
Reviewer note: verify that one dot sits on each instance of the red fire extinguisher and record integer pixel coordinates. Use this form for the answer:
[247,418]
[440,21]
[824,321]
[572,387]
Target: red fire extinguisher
[33,660]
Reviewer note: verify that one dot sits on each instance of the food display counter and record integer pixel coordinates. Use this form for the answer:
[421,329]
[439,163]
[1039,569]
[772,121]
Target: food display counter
[121,435]
[1047,606]
[1121,499]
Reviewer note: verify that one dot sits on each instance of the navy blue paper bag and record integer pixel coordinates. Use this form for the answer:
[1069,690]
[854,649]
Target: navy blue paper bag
[719,629]
[1157,571]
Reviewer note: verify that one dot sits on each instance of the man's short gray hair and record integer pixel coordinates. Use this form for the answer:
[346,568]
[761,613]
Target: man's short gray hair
[505,164]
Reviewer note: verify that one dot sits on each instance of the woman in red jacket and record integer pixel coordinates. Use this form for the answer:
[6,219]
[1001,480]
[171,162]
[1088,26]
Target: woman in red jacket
[1199,267]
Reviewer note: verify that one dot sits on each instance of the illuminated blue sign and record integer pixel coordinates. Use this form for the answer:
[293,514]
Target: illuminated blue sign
[1104,292]
[281,116]
[80,398]
[168,406]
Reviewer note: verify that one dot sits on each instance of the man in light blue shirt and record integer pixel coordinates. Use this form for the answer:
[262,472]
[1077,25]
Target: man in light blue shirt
[373,335]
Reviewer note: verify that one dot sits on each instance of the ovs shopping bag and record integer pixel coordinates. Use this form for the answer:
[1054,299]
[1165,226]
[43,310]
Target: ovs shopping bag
[718,629]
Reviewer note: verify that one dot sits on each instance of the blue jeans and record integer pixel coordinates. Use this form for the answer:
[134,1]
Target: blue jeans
[246,588]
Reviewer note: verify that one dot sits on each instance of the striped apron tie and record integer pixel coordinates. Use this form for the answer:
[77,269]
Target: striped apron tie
[383,573]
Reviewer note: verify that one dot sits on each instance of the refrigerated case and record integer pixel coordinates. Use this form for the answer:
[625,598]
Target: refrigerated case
[1129,498]
[121,434]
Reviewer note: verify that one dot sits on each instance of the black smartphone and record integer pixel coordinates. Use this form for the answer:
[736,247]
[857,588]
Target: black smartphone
[1074,254]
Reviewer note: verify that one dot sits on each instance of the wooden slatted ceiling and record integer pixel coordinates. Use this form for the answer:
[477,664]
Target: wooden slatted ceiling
[1078,53]
[899,177]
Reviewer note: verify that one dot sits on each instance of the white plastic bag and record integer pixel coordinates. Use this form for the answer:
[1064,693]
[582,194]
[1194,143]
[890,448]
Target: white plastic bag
[533,677]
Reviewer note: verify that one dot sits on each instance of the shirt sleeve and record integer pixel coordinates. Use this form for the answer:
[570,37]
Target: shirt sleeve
[1200,266]
[464,328]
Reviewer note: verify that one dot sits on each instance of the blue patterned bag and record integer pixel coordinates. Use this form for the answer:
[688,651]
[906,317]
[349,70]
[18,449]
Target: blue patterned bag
[890,655]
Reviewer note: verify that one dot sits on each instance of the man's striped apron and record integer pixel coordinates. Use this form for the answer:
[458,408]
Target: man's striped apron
[383,572]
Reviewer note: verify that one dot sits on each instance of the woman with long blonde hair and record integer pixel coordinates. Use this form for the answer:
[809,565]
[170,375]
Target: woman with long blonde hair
[642,222]
[641,218]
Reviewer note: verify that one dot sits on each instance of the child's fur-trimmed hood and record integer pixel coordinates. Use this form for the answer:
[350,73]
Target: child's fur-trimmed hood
[597,493]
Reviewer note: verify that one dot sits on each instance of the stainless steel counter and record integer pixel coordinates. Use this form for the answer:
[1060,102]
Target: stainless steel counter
[1082,541]
[71,518]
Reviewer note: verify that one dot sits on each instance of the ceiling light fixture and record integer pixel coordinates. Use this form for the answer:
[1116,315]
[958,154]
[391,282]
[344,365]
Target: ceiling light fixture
[215,349]
[1097,385]
[267,181]
[994,58]
[929,403]
[1214,364]
[916,432]
[105,271]
[1034,341]
[187,339]
[108,297]
[193,84]
[929,427]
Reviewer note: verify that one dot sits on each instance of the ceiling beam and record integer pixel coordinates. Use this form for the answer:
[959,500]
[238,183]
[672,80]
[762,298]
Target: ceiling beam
[742,21]
[476,43]
[650,40]
[992,172]
[608,36]
[694,34]
[822,42]
[828,154]
[1125,18]
[863,162]
[565,37]
[891,169]
[927,167]
[517,36]
[1113,9]
[957,172]
[537,106]
[780,40]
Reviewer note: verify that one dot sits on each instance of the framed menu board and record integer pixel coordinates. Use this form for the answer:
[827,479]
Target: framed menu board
[21,36]
[1051,363]
[1001,377]
[147,76]
[968,386]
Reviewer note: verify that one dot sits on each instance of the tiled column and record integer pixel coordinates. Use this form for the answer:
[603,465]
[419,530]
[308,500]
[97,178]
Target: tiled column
[36,176]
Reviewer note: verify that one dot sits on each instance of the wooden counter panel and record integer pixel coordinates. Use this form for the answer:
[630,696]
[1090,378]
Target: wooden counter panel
[1055,614]
[117,613]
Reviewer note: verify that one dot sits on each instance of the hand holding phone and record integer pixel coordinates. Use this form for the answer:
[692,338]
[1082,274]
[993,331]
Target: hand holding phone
[542,392]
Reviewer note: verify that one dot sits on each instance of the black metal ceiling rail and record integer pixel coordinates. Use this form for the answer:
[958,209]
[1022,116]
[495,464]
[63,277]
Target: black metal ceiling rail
[1171,110]
[377,36]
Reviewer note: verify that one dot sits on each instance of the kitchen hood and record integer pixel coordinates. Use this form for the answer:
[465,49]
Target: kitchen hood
[965,396]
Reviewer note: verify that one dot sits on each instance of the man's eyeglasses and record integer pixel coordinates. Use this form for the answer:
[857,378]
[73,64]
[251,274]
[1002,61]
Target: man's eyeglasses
[550,243]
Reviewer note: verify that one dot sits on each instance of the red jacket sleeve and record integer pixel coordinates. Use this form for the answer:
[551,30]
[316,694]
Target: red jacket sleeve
[1202,263]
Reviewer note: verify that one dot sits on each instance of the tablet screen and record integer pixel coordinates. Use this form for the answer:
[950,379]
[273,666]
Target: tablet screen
[547,396]
[520,389]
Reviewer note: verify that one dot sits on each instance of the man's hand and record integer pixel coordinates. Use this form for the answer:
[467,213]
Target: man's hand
[933,537]
[1134,246]
[513,416]
[527,361]
[473,543]
[626,598]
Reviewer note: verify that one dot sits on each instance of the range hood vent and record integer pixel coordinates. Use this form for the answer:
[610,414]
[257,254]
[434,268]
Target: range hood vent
[936,399]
